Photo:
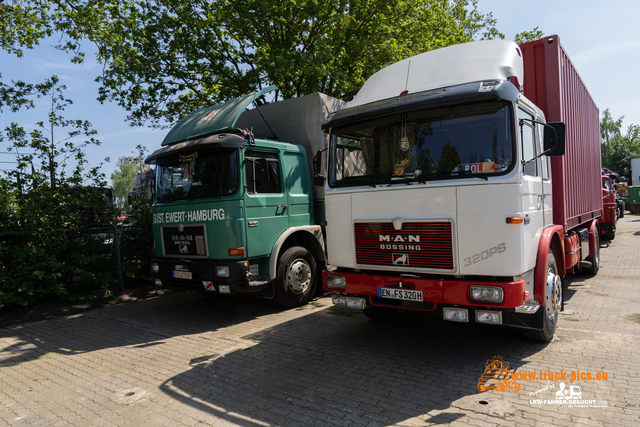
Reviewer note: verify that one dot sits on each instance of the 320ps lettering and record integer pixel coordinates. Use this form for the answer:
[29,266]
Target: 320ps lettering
[484,255]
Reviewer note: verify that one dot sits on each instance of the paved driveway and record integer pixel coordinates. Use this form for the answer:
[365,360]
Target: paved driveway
[185,360]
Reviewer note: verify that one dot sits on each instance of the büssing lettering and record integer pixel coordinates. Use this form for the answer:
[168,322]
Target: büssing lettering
[401,247]
[484,255]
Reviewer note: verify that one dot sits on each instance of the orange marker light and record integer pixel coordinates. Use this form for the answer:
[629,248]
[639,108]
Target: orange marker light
[236,252]
[515,220]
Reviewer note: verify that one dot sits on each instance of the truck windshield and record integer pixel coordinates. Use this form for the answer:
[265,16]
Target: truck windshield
[213,173]
[442,143]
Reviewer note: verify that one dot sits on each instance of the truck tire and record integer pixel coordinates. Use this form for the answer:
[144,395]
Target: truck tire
[296,279]
[594,260]
[552,303]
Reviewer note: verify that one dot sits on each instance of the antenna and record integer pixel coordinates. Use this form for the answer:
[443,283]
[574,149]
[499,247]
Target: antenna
[265,120]
[406,85]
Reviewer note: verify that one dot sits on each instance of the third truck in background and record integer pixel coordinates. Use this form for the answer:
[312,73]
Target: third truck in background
[468,180]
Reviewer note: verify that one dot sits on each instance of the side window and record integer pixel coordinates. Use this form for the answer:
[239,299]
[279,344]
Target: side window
[262,172]
[529,145]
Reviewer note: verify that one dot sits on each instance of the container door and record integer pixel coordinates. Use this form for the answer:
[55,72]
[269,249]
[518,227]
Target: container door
[265,201]
[533,198]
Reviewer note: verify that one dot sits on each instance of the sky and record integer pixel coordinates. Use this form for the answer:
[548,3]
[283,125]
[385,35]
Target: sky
[601,38]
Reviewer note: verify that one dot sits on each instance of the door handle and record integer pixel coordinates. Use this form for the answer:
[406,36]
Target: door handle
[283,206]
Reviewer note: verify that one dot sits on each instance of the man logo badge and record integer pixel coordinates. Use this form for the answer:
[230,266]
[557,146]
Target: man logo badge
[400,259]
[184,249]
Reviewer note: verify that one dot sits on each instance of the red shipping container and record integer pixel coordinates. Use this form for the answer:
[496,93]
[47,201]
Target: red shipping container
[553,84]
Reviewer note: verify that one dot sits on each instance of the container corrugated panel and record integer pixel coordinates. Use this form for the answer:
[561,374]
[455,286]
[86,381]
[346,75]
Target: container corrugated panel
[634,194]
[553,84]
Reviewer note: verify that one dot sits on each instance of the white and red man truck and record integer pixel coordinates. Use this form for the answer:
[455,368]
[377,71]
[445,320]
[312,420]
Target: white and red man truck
[467,180]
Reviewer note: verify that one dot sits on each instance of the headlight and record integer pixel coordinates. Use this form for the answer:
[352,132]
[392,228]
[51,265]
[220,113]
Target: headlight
[155,268]
[222,271]
[336,282]
[491,294]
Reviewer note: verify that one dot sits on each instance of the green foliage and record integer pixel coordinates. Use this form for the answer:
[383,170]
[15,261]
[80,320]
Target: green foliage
[618,149]
[124,177]
[23,24]
[528,36]
[52,243]
[136,242]
[165,58]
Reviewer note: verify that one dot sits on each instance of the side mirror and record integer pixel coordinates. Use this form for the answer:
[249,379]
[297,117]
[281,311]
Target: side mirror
[554,139]
[318,179]
[317,163]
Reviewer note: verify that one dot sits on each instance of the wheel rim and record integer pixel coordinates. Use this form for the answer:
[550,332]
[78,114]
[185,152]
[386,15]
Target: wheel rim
[299,276]
[553,294]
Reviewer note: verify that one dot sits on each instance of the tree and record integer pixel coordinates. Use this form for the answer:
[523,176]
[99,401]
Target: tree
[165,58]
[617,149]
[47,248]
[44,140]
[124,177]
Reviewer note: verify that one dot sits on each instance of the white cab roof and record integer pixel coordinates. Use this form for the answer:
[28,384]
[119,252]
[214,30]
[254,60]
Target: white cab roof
[449,66]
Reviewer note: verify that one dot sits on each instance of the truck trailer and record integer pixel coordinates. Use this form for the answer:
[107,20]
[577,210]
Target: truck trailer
[465,180]
[236,211]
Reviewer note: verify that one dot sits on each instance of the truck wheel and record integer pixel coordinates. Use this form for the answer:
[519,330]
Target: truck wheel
[552,303]
[594,260]
[296,278]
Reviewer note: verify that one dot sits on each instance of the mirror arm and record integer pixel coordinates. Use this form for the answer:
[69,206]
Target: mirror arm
[544,153]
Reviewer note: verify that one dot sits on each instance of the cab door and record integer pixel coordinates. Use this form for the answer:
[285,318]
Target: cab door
[533,192]
[267,211]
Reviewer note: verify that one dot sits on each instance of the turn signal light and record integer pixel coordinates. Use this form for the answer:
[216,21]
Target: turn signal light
[515,220]
[236,252]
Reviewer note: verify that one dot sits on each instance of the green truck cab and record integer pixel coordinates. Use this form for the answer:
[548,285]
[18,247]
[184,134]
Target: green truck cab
[236,210]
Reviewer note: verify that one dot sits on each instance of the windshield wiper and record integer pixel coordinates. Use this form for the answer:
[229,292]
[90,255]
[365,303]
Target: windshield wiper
[475,175]
[407,180]
[484,177]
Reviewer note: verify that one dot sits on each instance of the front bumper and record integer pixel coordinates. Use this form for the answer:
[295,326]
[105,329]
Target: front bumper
[434,290]
[202,276]
[516,308]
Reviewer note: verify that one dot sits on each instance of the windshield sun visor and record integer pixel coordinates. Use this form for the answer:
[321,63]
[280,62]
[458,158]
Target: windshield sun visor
[221,140]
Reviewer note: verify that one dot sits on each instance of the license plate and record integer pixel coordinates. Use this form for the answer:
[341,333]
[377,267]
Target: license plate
[182,274]
[403,294]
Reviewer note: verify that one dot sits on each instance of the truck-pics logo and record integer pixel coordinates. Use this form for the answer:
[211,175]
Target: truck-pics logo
[496,376]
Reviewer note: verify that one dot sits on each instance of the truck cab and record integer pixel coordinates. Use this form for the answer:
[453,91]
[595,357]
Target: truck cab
[609,219]
[235,211]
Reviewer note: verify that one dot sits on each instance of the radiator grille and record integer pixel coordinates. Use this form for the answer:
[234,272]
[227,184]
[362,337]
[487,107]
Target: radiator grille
[418,244]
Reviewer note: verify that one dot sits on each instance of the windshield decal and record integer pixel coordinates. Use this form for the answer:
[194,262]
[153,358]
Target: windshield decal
[208,116]
[187,163]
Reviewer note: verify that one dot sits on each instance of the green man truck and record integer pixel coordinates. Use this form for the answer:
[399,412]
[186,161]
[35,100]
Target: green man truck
[236,209]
